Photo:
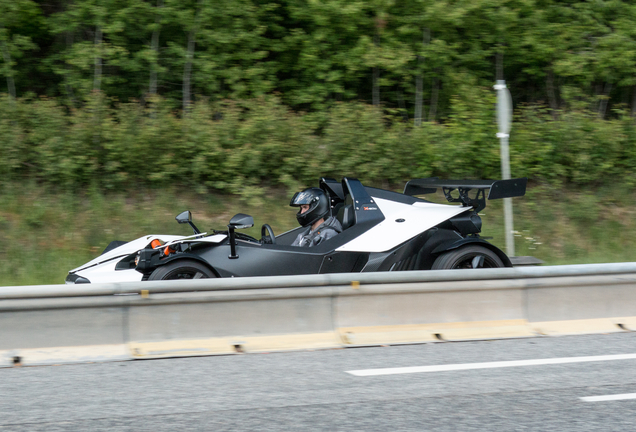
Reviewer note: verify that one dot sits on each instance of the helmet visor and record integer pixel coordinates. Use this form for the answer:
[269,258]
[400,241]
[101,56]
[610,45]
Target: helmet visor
[302,198]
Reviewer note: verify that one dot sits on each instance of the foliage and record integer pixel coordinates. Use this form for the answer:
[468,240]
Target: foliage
[241,146]
[222,95]
[316,53]
[250,96]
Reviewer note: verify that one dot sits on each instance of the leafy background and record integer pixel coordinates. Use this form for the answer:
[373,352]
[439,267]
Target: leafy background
[110,109]
[224,95]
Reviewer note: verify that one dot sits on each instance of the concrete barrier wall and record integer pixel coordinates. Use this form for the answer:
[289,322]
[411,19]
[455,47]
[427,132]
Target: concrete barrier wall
[60,323]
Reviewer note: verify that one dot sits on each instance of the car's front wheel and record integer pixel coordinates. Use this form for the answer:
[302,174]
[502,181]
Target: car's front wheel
[467,257]
[182,269]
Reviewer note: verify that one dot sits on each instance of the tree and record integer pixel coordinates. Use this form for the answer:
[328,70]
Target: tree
[320,59]
[14,19]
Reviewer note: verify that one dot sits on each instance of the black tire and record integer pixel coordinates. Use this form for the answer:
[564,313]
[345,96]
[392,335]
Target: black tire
[182,269]
[468,257]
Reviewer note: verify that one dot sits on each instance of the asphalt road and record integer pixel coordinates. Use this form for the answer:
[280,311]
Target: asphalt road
[314,391]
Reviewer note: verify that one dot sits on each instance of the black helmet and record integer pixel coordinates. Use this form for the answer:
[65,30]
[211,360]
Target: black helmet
[318,202]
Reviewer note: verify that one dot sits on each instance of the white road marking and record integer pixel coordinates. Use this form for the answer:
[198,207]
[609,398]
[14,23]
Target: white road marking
[488,365]
[609,397]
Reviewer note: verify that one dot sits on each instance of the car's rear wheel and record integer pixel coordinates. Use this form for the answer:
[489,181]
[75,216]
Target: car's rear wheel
[182,269]
[468,257]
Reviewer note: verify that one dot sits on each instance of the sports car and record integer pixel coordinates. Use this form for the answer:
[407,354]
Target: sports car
[382,230]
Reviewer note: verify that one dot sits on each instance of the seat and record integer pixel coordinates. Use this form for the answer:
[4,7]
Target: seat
[336,209]
[346,216]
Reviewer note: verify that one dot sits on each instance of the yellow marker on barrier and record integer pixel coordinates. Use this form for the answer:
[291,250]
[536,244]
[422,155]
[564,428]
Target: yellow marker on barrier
[355,284]
[144,294]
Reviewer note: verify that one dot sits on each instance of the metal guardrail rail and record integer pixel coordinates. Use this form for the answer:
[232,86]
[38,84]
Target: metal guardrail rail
[320,280]
[95,322]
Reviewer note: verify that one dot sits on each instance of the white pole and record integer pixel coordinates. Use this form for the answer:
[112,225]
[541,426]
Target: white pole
[505,173]
[504,119]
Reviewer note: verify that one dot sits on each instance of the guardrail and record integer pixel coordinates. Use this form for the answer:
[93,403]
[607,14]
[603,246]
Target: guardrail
[96,322]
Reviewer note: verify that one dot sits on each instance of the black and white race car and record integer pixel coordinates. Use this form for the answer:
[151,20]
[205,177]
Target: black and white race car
[382,231]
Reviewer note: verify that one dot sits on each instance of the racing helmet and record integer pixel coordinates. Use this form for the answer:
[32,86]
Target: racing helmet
[318,202]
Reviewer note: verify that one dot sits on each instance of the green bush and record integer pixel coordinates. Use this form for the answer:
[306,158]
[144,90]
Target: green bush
[241,146]
[578,148]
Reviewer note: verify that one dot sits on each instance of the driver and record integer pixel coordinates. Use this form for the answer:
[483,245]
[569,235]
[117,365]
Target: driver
[314,207]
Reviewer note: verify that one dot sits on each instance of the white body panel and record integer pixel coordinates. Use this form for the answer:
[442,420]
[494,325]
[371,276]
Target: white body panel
[102,268]
[106,273]
[388,234]
[127,249]
[216,238]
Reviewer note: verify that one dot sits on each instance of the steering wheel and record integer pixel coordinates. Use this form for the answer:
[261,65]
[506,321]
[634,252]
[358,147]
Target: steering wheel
[269,239]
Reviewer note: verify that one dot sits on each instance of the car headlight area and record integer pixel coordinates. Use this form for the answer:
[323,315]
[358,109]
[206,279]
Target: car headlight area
[75,279]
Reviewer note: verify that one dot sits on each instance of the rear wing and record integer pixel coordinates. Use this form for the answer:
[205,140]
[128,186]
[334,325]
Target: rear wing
[497,189]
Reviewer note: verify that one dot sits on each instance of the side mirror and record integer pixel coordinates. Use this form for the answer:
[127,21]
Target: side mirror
[241,221]
[184,217]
